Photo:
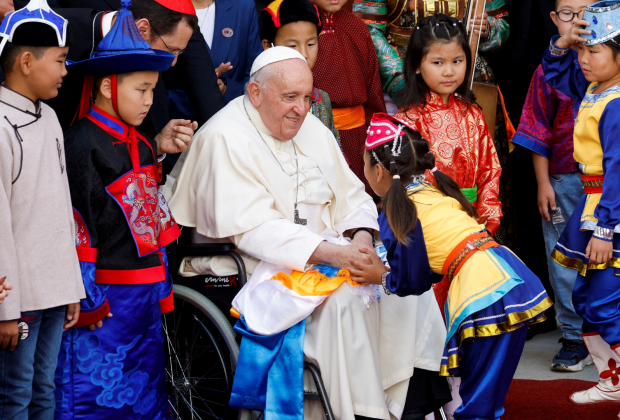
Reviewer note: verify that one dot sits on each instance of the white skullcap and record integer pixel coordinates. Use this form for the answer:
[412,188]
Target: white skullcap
[273,55]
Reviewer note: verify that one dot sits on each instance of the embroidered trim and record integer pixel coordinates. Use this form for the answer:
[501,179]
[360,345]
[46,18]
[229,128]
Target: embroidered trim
[594,9]
[531,316]
[589,99]
[526,303]
[462,255]
[557,52]
[605,234]
[384,283]
[107,121]
[592,184]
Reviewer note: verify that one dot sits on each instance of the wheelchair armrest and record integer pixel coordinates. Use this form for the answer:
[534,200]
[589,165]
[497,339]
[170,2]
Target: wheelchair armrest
[215,249]
[204,250]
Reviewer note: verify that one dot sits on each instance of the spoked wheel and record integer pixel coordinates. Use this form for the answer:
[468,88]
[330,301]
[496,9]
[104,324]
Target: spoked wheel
[201,358]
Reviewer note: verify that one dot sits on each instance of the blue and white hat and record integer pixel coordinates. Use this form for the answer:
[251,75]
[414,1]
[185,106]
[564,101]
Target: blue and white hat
[123,50]
[604,18]
[36,25]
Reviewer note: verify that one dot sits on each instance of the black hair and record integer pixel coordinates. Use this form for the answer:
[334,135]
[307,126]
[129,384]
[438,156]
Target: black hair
[289,11]
[164,20]
[614,45]
[11,52]
[35,37]
[414,159]
[431,29]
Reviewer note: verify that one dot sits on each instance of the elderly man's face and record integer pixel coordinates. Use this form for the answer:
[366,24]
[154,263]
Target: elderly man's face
[283,99]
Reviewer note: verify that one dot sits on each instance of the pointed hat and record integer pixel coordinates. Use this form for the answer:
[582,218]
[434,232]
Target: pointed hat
[123,50]
[35,25]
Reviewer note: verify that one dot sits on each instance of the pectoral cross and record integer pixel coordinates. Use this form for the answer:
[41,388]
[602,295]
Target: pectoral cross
[298,220]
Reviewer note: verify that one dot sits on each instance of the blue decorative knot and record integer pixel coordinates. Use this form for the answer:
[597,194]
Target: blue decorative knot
[125,3]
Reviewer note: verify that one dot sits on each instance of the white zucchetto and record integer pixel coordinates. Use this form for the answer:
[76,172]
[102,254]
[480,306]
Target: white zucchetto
[273,55]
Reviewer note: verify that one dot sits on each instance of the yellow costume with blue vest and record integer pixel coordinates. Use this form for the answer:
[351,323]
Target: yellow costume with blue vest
[492,296]
[492,293]
[596,296]
[487,277]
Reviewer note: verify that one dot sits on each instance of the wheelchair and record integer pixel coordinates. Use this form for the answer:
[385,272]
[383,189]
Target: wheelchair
[201,346]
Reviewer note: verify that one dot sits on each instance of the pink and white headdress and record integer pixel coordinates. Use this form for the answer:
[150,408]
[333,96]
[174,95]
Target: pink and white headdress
[383,129]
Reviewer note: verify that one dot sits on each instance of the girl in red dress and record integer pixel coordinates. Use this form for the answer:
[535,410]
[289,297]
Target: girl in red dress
[438,103]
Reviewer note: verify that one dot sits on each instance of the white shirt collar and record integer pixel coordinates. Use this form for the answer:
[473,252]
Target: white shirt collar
[106,22]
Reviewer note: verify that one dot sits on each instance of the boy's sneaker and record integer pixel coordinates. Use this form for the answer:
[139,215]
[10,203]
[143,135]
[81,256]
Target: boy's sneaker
[573,356]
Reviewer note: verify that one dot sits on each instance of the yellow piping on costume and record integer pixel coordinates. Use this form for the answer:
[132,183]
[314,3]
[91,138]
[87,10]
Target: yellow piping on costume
[497,329]
[580,266]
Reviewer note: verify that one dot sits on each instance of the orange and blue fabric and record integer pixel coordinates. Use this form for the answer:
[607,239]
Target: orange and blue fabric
[272,322]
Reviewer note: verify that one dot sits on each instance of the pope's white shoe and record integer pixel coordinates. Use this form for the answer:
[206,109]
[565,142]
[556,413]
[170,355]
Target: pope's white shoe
[607,362]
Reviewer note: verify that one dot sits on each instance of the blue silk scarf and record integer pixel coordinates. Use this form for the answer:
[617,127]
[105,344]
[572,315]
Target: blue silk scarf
[269,375]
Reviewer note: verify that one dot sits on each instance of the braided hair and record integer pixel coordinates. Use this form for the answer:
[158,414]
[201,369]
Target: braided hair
[414,159]
[432,29]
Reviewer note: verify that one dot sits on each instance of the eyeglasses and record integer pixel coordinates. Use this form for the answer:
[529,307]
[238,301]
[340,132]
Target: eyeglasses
[171,51]
[566,15]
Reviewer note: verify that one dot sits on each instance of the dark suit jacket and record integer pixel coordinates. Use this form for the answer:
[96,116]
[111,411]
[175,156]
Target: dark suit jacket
[194,69]
[241,48]
[261,4]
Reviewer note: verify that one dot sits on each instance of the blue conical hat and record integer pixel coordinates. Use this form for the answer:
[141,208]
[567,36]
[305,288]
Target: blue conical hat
[17,27]
[123,50]
[604,18]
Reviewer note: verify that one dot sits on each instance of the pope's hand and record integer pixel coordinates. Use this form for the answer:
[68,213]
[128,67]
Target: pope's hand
[351,255]
[176,136]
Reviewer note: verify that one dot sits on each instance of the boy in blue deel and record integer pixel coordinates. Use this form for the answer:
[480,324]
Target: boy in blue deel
[113,367]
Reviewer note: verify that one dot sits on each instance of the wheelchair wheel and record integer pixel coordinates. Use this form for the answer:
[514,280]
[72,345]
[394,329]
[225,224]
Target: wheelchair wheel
[201,358]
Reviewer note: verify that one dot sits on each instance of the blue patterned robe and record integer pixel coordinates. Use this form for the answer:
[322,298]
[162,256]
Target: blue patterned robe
[117,371]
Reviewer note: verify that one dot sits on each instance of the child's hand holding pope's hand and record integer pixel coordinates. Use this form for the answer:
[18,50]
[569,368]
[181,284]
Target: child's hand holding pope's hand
[176,136]
[369,273]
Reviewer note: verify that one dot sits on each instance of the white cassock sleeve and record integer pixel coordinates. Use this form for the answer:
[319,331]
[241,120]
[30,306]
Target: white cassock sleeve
[286,244]
[280,242]
[364,216]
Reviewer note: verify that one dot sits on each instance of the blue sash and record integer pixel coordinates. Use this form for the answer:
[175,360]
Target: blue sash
[269,375]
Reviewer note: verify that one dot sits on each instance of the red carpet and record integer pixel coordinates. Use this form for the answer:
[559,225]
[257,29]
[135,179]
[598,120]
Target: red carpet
[548,400]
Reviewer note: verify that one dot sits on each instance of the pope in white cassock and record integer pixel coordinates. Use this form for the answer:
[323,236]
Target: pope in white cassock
[269,176]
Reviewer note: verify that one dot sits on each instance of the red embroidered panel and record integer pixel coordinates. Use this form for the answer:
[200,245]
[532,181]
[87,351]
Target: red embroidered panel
[463,149]
[146,211]
[82,237]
